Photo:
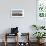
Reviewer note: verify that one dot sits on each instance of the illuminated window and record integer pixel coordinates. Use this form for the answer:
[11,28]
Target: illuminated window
[41,8]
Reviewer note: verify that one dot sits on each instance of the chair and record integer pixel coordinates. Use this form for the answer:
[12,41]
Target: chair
[25,43]
[14,32]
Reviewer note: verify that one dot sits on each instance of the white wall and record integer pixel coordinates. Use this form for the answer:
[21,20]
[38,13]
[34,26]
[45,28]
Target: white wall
[24,23]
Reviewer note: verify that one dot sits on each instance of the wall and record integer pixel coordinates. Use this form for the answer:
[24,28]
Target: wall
[23,23]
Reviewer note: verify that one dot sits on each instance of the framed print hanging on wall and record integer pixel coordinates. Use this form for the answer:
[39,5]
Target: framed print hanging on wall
[17,13]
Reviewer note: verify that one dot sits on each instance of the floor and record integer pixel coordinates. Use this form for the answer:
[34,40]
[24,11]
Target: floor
[13,44]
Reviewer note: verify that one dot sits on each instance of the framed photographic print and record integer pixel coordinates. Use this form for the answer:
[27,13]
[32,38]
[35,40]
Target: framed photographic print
[17,13]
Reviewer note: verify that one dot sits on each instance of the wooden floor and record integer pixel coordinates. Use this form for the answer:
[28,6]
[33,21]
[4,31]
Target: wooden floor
[13,44]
